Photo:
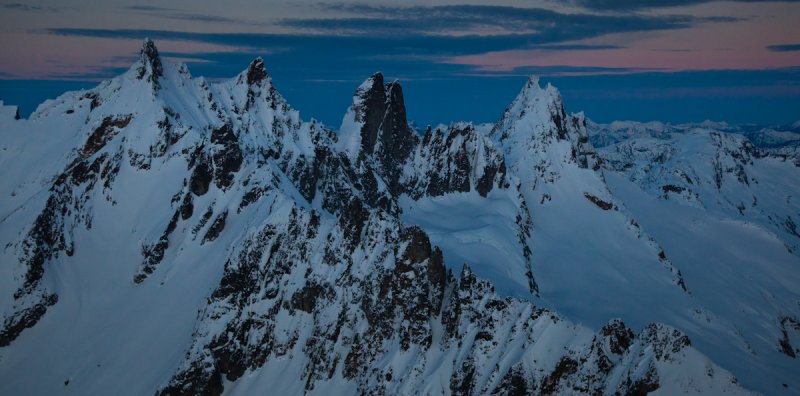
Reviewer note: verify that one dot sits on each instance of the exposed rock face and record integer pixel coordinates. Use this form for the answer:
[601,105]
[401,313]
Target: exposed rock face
[599,202]
[68,206]
[790,329]
[25,318]
[103,134]
[372,112]
[458,159]
[583,151]
[201,177]
[256,72]
[288,241]
[396,138]
[150,68]
[380,138]
[227,156]
[360,319]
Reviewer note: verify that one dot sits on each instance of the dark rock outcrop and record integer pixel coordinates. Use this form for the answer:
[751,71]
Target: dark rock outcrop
[386,136]
[26,318]
[458,159]
[789,325]
[226,155]
[150,67]
[256,72]
[605,205]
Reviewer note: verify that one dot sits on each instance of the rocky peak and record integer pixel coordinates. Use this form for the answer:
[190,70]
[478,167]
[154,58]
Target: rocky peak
[536,122]
[256,72]
[533,95]
[149,68]
[255,84]
[375,129]
[369,106]
[537,110]
[378,114]
[396,138]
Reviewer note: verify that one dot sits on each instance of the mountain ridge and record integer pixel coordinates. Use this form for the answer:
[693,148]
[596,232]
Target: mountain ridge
[333,233]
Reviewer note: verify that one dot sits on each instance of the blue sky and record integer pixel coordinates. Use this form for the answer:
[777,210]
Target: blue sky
[669,60]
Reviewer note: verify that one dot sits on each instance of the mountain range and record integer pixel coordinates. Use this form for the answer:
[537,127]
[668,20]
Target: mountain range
[165,234]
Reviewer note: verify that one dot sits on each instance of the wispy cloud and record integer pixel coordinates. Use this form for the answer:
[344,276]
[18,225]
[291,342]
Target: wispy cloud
[94,74]
[26,7]
[424,40]
[321,45]
[540,25]
[579,47]
[323,57]
[784,47]
[148,8]
[321,54]
[566,70]
[634,5]
[344,56]
[173,13]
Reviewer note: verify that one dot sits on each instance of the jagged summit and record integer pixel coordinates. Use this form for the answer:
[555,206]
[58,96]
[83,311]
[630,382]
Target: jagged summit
[532,83]
[149,67]
[537,101]
[254,77]
[253,89]
[256,72]
[376,121]
[535,111]
[377,76]
[369,108]
[396,135]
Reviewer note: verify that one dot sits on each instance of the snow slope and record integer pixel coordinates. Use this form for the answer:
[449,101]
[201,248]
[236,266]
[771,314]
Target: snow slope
[724,212]
[578,227]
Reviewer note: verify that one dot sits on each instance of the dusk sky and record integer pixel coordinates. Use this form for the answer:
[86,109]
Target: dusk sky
[669,60]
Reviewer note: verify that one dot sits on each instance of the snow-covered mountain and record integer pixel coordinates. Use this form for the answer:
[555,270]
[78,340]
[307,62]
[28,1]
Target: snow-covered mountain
[163,234]
[725,212]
